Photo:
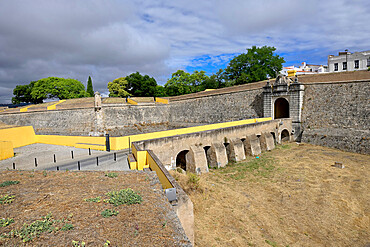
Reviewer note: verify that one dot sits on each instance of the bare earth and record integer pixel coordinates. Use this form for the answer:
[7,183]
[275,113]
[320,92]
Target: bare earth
[291,196]
[63,194]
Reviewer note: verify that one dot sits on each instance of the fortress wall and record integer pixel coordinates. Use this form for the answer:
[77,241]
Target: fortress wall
[218,108]
[129,115]
[68,122]
[337,115]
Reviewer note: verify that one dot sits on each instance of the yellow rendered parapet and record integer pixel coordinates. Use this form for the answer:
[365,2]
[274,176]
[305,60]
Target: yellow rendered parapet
[24,109]
[161,100]
[53,107]
[6,150]
[18,136]
[123,142]
[132,102]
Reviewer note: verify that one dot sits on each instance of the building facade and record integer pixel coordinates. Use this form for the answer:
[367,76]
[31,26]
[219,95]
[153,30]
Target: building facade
[347,61]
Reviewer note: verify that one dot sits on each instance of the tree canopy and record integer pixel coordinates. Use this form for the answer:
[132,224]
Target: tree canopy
[255,65]
[182,82]
[51,87]
[89,88]
[141,86]
[118,88]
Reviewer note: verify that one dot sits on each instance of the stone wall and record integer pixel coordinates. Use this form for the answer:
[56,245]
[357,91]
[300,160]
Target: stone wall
[68,122]
[337,115]
[218,108]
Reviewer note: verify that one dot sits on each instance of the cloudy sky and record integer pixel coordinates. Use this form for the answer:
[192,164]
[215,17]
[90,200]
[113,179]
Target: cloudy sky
[110,39]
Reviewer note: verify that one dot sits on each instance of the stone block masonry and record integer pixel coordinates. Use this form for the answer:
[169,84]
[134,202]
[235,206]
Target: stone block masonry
[338,115]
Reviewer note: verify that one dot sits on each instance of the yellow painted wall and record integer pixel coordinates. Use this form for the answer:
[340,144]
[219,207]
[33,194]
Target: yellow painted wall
[53,107]
[6,150]
[154,167]
[24,109]
[132,102]
[160,100]
[73,141]
[18,136]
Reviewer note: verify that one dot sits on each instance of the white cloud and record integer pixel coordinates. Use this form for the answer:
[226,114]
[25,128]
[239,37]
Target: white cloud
[108,39]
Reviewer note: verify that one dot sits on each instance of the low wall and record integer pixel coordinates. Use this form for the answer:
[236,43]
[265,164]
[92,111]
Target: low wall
[18,136]
[6,150]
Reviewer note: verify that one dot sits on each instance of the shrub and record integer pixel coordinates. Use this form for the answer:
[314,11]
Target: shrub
[6,199]
[7,183]
[125,196]
[109,212]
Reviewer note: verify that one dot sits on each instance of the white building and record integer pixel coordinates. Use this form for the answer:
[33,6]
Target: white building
[304,69]
[347,61]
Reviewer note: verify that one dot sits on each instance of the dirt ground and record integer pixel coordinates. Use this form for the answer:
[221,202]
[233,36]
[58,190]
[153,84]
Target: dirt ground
[63,194]
[291,196]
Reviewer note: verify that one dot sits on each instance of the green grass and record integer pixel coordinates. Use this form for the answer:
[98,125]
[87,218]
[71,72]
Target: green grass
[272,243]
[261,167]
[125,196]
[7,183]
[109,213]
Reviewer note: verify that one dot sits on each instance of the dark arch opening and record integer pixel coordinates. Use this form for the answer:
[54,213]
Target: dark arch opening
[285,135]
[181,159]
[273,136]
[208,155]
[281,108]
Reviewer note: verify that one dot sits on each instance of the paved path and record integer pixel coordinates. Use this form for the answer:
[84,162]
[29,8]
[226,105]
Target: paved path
[44,154]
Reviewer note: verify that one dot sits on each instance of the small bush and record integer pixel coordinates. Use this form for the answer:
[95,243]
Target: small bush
[7,183]
[67,227]
[125,196]
[5,222]
[6,199]
[111,175]
[109,212]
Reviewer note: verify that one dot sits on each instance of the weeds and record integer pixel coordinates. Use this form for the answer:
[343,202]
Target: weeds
[193,179]
[95,199]
[125,196]
[7,183]
[111,175]
[6,199]
[5,222]
[107,243]
[44,173]
[262,167]
[109,213]
[35,229]
[78,244]
[272,243]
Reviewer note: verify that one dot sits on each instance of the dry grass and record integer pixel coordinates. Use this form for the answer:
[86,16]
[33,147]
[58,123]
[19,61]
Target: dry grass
[63,194]
[291,196]
[114,100]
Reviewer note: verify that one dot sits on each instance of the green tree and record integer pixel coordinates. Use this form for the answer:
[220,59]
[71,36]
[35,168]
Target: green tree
[89,88]
[22,93]
[182,82]
[118,87]
[160,91]
[178,84]
[255,65]
[141,86]
[55,87]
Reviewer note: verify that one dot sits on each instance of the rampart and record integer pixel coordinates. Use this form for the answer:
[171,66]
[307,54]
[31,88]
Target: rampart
[335,112]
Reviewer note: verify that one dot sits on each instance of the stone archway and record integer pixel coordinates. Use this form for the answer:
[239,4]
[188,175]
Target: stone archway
[285,135]
[281,108]
[181,159]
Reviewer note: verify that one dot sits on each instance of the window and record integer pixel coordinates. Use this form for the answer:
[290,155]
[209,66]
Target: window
[357,64]
[344,65]
[368,62]
[336,66]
